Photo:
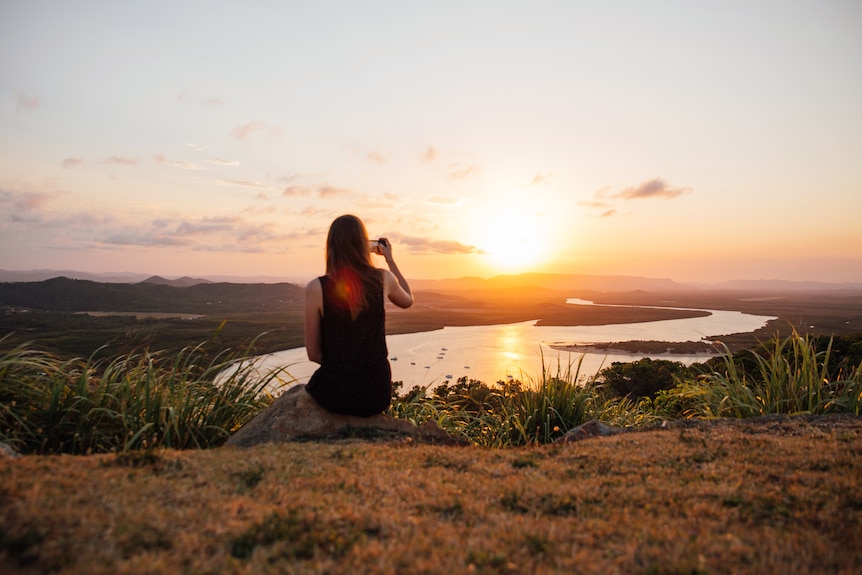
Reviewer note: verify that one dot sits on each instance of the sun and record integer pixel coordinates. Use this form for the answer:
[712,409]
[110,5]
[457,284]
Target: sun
[514,238]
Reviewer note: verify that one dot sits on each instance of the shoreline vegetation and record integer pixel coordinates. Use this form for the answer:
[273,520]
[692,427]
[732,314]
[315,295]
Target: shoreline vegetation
[640,348]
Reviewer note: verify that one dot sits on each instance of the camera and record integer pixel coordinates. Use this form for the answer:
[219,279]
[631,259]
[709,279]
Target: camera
[376,246]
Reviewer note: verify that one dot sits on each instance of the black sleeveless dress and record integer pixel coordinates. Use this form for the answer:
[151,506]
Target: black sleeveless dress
[355,377]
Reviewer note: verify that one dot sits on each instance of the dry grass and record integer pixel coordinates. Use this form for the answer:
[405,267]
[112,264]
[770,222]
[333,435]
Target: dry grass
[740,497]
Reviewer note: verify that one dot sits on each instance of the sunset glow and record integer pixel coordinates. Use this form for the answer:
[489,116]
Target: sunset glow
[695,141]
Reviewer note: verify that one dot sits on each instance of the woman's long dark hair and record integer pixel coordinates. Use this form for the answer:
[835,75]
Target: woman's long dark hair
[348,263]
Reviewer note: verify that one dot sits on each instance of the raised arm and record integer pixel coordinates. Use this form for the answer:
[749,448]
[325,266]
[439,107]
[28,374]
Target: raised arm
[395,286]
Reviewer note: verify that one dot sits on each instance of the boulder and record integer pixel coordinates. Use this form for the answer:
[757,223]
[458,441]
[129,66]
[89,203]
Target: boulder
[7,451]
[589,429]
[295,415]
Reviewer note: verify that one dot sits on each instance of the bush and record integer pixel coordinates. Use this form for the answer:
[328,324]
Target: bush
[144,399]
[788,376]
[642,378]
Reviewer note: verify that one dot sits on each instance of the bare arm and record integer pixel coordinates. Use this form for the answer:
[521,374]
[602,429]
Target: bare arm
[313,320]
[395,286]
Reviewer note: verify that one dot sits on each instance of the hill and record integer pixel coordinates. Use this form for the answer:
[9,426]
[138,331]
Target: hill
[70,295]
[184,281]
[778,496]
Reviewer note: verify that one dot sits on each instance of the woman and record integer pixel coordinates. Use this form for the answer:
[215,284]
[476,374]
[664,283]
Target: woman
[345,322]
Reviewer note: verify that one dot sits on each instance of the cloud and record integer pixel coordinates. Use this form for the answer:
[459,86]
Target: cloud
[106,230]
[120,160]
[207,225]
[444,201]
[427,245]
[24,201]
[144,238]
[327,191]
[322,191]
[463,173]
[376,156]
[71,163]
[430,154]
[540,179]
[176,163]
[244,184]
[182,97]
[596,204]
[211,234]
[295,191]
[26,102]
[655,188]
[219,162]
[244,132]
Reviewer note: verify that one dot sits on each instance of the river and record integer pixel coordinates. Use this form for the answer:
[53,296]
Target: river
[492,353]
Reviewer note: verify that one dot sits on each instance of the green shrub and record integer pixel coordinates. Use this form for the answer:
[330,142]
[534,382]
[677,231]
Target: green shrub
[642,378]
[789,376]
[144,399]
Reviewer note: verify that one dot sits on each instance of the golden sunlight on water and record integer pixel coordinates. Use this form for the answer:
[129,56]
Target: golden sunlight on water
[492,353]
[511,342]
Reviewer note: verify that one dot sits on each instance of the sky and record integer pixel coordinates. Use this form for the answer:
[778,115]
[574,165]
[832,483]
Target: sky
[697,141]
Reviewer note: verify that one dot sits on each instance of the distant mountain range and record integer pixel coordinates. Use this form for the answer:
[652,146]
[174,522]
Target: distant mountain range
[574,283]
[557,282]
[131,277]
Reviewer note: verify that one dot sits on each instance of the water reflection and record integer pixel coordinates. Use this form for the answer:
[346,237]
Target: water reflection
[521,350]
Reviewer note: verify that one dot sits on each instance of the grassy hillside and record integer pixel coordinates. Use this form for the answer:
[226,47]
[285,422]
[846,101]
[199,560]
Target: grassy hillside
[776,496]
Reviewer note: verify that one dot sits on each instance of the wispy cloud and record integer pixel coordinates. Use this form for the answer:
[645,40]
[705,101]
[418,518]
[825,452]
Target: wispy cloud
[213,233]
[444,200]
[244,184]
[655,188]
[26,102]
[327,191]
[603,204]
[428,245]
[430,154]
[376,156]
[71,163]
[220,162]
[32,213]
[294,191]
[463,173]
[23,201]
[183,98]
[119,161]
[540,179]
[244,131]
[176,163]
[322,191]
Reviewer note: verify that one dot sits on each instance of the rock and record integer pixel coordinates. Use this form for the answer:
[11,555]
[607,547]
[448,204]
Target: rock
[589,429]
[7,451]
[295,415]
